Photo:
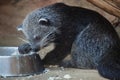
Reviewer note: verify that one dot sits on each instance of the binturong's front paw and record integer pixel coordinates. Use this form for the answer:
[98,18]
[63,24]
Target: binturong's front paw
[24,48]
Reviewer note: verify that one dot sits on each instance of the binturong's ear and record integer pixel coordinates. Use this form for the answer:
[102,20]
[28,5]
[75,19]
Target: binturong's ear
[20,27]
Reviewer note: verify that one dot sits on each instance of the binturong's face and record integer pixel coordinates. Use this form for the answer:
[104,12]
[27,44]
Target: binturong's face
[41,27]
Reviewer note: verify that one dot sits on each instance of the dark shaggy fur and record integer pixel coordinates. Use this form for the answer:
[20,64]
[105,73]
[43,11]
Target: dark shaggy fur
[87,36]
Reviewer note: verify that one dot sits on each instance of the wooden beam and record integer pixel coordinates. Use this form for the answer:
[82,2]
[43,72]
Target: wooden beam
[106,7]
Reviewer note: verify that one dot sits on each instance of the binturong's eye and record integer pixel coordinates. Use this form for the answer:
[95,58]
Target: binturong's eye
[37,37]
[44,21]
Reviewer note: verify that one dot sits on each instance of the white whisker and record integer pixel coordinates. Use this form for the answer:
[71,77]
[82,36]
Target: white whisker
[23,39]
[48,38]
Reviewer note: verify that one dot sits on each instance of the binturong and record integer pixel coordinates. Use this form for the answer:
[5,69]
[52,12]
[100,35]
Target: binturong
[85,35]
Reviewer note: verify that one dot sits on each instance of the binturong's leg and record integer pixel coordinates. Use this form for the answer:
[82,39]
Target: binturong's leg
[56,56]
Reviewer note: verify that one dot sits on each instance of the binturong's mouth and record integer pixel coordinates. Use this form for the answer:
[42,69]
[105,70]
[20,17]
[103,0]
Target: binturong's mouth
[48,39]
[35,49]
[42,44]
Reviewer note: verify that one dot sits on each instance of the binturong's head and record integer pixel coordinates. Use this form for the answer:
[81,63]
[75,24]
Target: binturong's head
[43,25]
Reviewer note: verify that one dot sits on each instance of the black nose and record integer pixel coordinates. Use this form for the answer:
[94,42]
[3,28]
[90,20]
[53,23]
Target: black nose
[35,49]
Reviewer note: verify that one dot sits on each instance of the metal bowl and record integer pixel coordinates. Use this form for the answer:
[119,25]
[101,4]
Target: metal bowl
[14,64]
